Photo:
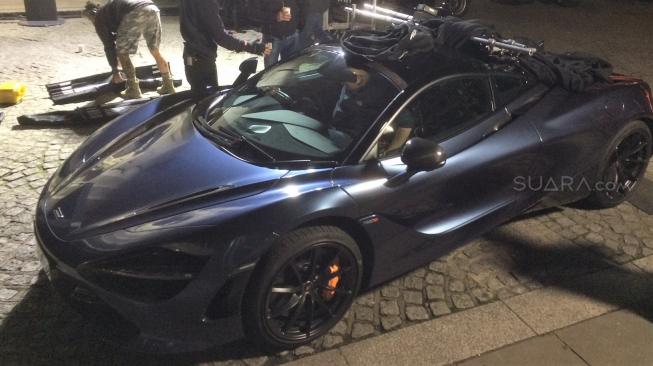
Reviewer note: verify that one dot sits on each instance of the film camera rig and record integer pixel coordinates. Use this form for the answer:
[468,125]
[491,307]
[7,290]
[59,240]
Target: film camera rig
[424,13]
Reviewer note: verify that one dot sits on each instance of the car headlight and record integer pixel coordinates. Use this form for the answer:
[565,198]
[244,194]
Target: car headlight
[149,275]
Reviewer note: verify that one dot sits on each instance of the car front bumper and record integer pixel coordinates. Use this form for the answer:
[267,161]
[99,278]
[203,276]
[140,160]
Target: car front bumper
[196,318]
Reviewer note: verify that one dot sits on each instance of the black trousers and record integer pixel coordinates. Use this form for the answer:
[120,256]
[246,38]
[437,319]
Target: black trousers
[201,74]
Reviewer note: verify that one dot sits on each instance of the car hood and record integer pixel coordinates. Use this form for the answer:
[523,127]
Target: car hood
[161,168]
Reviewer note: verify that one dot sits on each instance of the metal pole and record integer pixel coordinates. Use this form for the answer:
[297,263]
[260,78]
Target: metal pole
[505,46]
[389,12]
[349,15]
[373,15]
[373,19]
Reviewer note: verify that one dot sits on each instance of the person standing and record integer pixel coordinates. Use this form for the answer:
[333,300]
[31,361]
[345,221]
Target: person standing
[119,24]
[280,23]
[313,30]
[203,30]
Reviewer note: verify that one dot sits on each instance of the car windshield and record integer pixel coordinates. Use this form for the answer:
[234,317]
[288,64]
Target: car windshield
[313,107]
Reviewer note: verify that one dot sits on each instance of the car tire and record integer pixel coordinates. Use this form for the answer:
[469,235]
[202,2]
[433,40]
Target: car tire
[302,287]
[620,171]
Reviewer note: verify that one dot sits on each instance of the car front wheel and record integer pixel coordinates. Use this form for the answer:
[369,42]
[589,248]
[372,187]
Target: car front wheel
[624,165]
[302,288]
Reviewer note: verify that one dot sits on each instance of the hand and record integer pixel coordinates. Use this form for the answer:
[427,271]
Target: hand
[268,49]
[283,16]
[117,78]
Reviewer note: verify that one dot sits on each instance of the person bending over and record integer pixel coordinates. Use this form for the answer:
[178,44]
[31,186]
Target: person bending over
[119,24]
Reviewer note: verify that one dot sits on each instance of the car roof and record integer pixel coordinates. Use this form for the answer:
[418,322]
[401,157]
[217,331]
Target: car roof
[435,65]
[425,66]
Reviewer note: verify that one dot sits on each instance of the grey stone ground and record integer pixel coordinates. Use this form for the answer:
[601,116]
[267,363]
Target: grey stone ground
[516,258]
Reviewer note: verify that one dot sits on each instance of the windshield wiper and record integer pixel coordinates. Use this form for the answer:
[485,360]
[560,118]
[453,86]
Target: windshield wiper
[305,164]
[206,129]
[241,138]
[230,138]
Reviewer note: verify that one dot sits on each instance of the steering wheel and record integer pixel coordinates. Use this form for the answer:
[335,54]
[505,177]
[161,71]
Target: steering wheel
[307,106]
[284,99]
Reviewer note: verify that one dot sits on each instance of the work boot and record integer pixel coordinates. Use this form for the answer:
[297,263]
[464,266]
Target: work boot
[168,86]
[132,90]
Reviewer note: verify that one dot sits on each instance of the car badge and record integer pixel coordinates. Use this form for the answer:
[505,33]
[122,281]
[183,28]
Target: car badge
[58,213]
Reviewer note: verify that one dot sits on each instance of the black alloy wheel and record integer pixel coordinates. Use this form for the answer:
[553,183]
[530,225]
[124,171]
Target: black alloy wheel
[303,289]
[310,291]
[626,164]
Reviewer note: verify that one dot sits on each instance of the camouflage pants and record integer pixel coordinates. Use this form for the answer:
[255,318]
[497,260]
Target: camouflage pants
[145,21]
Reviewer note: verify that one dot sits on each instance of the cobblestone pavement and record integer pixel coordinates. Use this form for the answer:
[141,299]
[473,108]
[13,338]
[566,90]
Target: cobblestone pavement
[538,250]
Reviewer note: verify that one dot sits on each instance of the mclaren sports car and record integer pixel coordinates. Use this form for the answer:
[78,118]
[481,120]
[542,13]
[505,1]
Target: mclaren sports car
[263,210]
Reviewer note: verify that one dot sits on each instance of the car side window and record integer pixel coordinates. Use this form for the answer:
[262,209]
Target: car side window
[451,107]
[508,87]
[440,112]
[395,134]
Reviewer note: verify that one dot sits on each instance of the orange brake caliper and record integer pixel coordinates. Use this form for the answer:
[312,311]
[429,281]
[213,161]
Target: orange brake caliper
[330,291]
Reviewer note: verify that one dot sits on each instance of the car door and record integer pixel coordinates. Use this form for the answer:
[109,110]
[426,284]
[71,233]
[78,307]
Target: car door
[424,214]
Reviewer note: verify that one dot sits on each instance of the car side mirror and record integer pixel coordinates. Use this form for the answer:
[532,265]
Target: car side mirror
[420,154]
[247,68]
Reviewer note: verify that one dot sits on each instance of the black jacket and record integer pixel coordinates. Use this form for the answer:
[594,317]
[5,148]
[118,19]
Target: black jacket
[202,30]
[316,6]
[108,19]
[273,28]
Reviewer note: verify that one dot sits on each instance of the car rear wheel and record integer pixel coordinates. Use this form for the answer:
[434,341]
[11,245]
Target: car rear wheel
[624,165]
[302,288]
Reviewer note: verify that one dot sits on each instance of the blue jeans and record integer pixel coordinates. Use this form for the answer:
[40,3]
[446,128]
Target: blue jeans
[281,48]
[313,28]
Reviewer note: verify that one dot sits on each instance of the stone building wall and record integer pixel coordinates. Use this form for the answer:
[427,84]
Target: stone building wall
[18,6]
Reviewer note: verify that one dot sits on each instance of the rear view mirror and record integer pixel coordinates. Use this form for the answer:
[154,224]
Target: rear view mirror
[247,68]
[421,154]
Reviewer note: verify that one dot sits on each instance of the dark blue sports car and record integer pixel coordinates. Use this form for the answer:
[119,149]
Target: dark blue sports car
[265,209]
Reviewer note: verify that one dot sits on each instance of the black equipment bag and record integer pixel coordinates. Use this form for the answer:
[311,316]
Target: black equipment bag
[81,115]
[572,71]
[90,87]
[398,42]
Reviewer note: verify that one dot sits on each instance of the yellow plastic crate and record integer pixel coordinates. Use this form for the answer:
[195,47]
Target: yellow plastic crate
[12,92]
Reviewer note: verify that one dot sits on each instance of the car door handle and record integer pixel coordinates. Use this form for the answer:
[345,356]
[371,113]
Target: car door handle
[499,121]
